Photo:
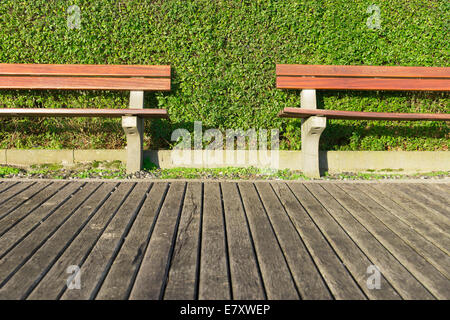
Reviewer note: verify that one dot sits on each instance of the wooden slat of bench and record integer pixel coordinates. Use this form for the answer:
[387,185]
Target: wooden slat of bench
[362,71]
[358,115]
[85,83]
[75,112]
[84,70]
[363,84]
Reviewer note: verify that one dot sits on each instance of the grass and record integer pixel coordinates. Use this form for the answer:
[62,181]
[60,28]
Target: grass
[116,170]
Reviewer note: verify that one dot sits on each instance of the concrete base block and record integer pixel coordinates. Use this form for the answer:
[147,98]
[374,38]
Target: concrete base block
[30,157]
[331,161]
[99,155]
[2,156]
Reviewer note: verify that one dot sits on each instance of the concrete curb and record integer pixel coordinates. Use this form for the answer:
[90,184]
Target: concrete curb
[404,162]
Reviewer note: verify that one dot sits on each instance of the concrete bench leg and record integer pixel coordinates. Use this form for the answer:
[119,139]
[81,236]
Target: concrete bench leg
[312,128]
[134,129]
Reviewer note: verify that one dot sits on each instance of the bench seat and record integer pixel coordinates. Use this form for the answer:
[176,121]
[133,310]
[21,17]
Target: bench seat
[134,78]
[310,78]
[103,113]
[362,115]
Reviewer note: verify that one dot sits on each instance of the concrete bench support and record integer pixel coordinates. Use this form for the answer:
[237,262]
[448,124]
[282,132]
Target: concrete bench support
[312,128]
[134,129]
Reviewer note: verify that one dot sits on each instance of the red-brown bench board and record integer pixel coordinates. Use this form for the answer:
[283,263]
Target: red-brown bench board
[357,115]
[106,113]
[362,77]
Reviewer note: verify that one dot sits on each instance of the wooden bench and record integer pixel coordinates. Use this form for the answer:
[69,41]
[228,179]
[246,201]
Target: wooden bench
[310,78]
[133,78]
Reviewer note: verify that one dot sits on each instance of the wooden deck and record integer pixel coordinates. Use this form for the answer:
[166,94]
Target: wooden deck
[224,240]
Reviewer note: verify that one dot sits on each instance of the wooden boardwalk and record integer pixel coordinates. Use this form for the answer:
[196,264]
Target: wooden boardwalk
[224,240]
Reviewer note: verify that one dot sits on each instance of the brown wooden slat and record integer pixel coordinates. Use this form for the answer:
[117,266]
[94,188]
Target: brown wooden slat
[419,267]
[84,70]
[31,221]
[213,283]
[246,282]
[310,283]
[150,279]
[351,255]
[85,83]
[120,277]
[57,247]
[362,71]
[363,84]
[107,246]
[357,115]
[25,249]
[337,277]
[53,282]
[75,112]
[182,278]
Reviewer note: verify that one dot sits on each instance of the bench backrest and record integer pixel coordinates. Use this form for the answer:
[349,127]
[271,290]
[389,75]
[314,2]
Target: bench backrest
[291,76]
[85,77]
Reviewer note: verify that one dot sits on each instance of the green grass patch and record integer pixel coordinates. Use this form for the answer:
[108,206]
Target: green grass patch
[4,171]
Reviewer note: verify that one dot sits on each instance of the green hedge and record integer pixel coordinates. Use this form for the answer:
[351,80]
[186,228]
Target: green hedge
[223,55]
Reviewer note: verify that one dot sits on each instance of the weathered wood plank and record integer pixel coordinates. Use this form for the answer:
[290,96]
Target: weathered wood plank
[119,280]
[439,259]
[18,255]
[399,277]
[435,194]
[34,198]
[213,283]
[423,198]
[182,278]
[73,241]
[150,280]
[421,226]
[308,280]
[5,185]
[430,278]
[407,202]
[107,246]
[336,276]
[246,283]
[17,231]
[274,270]
[350,254]
[18,194]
